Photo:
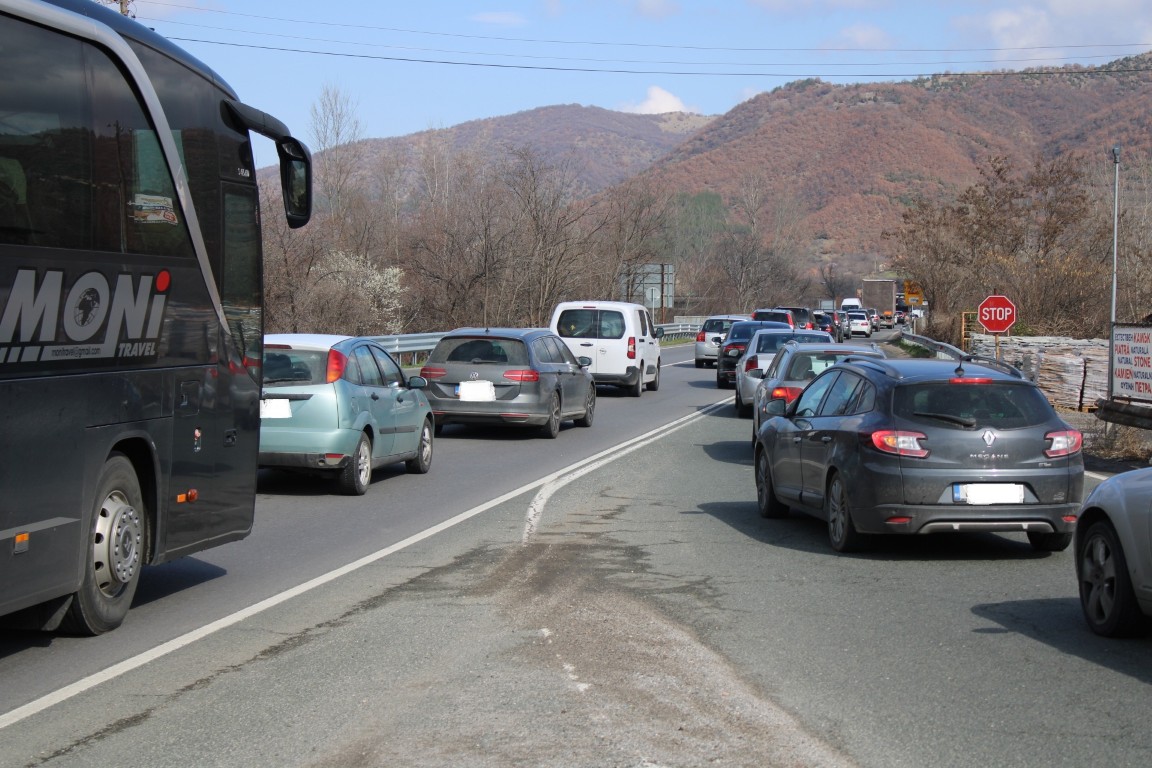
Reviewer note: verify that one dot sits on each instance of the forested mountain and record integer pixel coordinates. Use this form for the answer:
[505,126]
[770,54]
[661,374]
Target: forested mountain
[852,156]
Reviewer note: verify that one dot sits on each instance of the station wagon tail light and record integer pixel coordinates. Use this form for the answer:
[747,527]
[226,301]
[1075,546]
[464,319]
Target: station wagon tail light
[337,362]
[787,394]
[631,347]
[522,376]
[900,443]
[433,372]
[1067,442]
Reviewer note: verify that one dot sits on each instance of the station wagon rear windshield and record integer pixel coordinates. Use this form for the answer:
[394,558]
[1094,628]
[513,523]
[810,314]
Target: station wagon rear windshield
[480,351]
[1003,405]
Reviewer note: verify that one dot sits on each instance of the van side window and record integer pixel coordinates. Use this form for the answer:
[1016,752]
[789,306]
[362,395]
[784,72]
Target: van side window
[643,322]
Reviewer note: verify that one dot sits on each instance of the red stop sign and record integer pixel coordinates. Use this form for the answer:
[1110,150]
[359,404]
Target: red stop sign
[997,314]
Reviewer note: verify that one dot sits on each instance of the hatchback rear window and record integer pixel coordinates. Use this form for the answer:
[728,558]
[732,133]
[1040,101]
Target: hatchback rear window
[480,351]
[773,315]
[717,325]
[295,366]
[992,404]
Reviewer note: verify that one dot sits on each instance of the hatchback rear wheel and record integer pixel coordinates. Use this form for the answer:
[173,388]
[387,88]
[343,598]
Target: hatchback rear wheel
[842,532]
[357,473]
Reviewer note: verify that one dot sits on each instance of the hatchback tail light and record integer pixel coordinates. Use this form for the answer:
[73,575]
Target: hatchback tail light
[522,376]
[1066,442]
[433,372]
[900,443]
[631,347]
[337,363]
[751,364]
[787,394]
[700,336]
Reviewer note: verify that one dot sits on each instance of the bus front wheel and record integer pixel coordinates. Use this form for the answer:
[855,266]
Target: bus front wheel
[114,553]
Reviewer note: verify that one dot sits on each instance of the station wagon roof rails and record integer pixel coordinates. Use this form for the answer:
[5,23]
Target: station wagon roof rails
[991,362]
[879,363]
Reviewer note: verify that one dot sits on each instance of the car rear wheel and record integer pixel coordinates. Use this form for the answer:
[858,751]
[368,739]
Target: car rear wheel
[1106,593]
[766,500]
[551,428]
[842,531]
[1049,542]
[589,408]
[357,473]
[655,383]
[422,461]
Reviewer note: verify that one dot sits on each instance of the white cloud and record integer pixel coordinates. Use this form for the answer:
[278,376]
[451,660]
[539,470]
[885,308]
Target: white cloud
[500,18]
[658,102]
[867,36]
[656,9]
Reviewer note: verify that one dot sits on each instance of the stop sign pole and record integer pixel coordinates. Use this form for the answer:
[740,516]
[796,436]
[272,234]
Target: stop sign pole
[997,314]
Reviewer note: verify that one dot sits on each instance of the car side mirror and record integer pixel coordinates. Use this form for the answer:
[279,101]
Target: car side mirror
[417,382]
[776,407]
[659,333]
[717,339]
[755,373]
[584,361]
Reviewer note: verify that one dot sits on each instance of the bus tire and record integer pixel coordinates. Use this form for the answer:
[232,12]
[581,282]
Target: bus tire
[114,554]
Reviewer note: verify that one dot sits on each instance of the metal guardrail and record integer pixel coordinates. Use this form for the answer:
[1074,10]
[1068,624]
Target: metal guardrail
[942,350]
[406,347]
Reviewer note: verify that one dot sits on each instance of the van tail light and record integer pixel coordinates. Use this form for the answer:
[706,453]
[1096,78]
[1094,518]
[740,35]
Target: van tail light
[1066,442]
[787,394]
[433,372]
[631,347]
[337,363]
[751,364]
[700,336]
[900,443]
[522,376]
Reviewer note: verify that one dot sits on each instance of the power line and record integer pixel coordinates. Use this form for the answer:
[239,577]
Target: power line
[943,63]
[678,46]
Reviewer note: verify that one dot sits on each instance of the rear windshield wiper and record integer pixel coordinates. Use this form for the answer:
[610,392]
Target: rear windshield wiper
[964,421]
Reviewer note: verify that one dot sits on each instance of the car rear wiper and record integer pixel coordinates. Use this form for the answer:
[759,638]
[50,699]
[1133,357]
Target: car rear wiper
[964,421]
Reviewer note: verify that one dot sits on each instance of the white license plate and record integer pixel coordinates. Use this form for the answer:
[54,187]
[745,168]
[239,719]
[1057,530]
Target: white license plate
[476,391]
[275,408]
[989,493]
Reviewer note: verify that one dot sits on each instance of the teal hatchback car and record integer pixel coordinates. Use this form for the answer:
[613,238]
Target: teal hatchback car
[342,407]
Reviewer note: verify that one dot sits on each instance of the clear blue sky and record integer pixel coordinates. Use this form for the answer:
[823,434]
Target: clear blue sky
[410,65]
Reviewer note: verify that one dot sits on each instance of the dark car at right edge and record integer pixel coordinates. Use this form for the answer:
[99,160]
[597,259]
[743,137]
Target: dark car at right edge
[887,446]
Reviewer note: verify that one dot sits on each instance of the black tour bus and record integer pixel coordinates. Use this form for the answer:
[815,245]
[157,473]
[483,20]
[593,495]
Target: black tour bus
[130,309]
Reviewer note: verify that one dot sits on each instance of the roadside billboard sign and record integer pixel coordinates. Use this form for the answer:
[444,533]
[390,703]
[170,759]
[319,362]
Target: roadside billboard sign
[1132,362]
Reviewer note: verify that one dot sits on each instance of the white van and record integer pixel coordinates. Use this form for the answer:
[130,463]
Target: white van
[851,305]
[618,336]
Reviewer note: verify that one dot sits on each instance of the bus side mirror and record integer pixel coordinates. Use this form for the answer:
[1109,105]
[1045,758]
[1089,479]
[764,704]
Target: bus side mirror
[295,180]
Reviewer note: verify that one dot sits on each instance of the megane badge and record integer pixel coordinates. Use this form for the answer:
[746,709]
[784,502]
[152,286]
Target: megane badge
[988,437]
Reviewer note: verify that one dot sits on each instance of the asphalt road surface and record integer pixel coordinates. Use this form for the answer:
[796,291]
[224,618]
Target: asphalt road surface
[611,598]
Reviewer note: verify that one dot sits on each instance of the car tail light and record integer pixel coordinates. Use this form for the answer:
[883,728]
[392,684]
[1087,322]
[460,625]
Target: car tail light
[900,443]
[337,362]
[433,372]
[751,364]
[631,347]
[970,380]
[734,350]
[1067,442]
[787,394]
[700,336]
[522,376]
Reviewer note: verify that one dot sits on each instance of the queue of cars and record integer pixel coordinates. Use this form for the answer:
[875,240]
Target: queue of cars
[340,406]
[869,444]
